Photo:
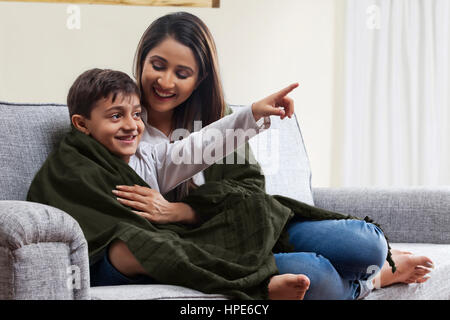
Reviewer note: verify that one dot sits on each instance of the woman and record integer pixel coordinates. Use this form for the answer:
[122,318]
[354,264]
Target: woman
[177,71]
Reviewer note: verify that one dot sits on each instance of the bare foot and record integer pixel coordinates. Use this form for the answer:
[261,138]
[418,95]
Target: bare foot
[410,269]
[288,287]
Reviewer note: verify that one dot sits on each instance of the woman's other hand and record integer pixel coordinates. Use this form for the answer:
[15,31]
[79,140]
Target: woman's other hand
[277,104]
[151,205]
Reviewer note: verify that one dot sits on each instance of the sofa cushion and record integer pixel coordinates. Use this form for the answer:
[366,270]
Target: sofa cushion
[150,292]
[30,131]
[282,155]
[436,288]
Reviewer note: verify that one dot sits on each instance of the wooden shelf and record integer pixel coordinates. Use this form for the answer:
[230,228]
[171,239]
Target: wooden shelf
[169,3]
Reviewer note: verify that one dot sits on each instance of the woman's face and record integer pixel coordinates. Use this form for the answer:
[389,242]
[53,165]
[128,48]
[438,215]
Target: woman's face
[169,75]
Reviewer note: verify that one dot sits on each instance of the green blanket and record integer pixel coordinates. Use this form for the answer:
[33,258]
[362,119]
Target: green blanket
[229,253]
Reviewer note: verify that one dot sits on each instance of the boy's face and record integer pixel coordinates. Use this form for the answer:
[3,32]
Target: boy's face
[118,126]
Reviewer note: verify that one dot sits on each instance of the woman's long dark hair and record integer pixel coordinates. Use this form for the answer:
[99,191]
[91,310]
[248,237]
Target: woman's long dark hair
[207,102]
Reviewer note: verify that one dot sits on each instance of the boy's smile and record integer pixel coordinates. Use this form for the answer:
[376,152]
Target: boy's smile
[116,125]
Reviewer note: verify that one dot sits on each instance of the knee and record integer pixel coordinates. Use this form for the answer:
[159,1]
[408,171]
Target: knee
[123,259]
[375,246]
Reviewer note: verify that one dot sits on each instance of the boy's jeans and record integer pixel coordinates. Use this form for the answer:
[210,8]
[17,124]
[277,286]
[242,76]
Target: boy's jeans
[336,255]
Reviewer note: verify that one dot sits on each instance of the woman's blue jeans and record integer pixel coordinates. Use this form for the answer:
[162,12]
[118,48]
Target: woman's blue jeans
[338,256]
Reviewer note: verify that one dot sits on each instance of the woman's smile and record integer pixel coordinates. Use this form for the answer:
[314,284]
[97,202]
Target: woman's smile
[163,95]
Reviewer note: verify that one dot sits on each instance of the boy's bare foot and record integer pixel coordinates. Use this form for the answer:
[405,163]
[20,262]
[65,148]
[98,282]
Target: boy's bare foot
[288,287]
[410,269]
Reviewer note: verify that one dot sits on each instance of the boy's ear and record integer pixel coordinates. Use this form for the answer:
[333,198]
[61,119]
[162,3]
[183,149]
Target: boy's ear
[79,122]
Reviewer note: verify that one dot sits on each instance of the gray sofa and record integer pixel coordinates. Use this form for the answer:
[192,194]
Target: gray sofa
[43,253]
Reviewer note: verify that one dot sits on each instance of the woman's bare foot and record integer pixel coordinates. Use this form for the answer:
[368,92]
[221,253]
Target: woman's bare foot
[288,287]
[410,269]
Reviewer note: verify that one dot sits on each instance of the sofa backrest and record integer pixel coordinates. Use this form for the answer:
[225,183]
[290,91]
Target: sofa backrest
[28,133]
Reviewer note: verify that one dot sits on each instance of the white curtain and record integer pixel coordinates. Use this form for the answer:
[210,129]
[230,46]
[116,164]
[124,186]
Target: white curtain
[397,83]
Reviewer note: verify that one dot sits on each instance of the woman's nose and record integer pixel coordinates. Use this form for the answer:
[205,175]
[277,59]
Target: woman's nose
[166,81]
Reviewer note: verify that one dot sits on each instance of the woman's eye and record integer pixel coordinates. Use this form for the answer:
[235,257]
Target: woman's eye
[182,76]
[137,114]
[158,68]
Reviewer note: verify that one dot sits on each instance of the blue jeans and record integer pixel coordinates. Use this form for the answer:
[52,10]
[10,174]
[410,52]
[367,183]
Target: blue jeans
[336,255]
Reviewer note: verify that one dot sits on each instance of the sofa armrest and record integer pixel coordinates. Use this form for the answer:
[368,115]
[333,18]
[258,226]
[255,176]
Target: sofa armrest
[43,253]
[410,215]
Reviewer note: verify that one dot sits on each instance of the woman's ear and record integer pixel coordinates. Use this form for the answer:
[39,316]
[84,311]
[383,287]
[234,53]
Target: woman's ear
[79,122]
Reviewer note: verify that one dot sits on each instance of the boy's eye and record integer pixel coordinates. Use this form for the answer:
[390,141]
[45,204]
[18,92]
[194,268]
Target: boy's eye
[115,116]
[137,114]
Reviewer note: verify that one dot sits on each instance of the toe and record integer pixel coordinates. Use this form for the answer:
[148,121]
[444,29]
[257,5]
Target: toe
[422,270]
[411,279]
[418,275]
[422,280]
[303,286]
[303,281]
[421,261]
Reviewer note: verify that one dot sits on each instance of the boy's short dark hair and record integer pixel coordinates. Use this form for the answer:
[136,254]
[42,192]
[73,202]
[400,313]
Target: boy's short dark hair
[96,84]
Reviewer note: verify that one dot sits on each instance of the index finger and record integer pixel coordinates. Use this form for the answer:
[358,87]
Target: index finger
[284,92]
